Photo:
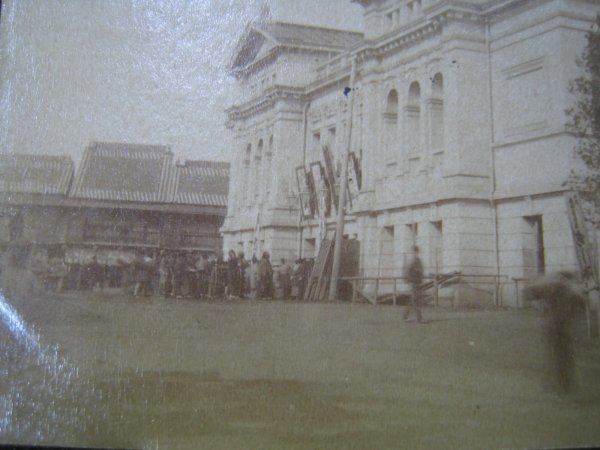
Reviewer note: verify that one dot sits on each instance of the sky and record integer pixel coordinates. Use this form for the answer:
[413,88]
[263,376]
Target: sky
[135,71]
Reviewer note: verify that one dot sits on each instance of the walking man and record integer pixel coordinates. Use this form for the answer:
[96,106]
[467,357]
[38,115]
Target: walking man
[414,275]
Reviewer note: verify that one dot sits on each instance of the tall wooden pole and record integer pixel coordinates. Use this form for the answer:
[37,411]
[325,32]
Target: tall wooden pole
[339,228]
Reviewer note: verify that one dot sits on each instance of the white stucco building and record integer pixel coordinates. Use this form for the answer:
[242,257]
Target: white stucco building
[458,125]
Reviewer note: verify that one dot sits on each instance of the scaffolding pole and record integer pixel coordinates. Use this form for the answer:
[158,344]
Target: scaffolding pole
[339,229]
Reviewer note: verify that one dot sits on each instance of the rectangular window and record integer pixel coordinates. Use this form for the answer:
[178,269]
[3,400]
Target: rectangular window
[534,261]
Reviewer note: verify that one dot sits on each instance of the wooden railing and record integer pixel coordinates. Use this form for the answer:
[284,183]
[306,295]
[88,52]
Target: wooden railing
[431,282]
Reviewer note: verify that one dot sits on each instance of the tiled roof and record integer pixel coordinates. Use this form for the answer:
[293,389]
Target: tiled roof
[123,172]
[35,174]
[305,35]
[201,183]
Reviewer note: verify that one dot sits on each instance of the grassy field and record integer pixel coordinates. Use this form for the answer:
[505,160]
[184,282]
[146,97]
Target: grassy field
[115,371]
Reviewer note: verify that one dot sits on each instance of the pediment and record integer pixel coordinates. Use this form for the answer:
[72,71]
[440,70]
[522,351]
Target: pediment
[252,46]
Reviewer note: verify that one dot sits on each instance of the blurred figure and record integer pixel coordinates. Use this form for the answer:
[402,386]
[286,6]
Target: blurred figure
[163,272]
[144,266]
[191,276]
[57,270]
[296,278]
[233,275]
[414,275]
[170,268]
[285,279]
[179,273]
[265,277]
[559,292]
[218,277]
[242,266]
[128,278]
[149,266]
[95,272]
[202,273]
[137,273]
[253,276]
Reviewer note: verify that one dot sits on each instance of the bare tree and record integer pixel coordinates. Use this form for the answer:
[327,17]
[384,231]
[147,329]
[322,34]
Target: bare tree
[584,123]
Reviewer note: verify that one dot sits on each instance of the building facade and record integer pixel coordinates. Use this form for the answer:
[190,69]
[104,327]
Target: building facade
[457,136]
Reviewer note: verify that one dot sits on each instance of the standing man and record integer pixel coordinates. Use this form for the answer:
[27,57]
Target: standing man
[414,275]
[285,279]
[296,277]
[242,266]
[254,277]
[233,275]
[265,277]
[202,266]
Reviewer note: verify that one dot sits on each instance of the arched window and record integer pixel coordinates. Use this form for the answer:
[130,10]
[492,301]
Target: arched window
[392,102]
[390,126]
[437,112]
[414,94]
[413,119]
[257,178]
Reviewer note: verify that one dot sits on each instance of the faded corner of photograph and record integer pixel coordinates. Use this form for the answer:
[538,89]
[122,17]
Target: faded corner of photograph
[278,224]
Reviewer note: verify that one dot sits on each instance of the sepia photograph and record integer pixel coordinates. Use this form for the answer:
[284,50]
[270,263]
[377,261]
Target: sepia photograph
[282,224]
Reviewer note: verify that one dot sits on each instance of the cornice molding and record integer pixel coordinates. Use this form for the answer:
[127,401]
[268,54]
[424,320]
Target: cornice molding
[400,39]
[263,103]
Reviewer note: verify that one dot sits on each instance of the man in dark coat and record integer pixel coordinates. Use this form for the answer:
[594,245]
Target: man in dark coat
[414,275]
[285,279]
[233,274]
[265,277]
[242,266]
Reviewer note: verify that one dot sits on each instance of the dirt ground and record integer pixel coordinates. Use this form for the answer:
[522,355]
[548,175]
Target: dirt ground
[107,370]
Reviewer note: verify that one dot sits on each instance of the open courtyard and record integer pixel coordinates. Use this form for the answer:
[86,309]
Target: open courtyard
[107,370]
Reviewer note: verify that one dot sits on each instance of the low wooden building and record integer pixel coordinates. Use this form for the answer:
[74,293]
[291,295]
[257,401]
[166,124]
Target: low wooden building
[122,200]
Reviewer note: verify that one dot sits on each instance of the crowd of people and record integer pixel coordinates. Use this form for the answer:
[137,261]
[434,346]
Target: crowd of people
[178,273]
[184,274]
[257,278]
